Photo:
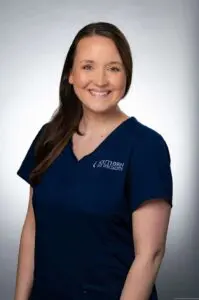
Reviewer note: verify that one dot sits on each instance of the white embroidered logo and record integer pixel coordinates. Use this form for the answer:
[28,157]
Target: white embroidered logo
[109,164]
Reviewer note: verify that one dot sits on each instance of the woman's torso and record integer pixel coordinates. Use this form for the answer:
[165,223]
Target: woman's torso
[84,245]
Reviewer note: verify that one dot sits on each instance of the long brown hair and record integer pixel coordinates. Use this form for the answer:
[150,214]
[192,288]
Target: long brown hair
[65,121]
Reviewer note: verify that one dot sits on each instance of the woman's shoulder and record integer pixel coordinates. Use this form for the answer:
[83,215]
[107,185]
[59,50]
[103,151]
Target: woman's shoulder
[145,139]
[142,133]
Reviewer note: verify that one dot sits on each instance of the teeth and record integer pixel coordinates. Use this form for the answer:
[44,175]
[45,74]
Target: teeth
[94,93]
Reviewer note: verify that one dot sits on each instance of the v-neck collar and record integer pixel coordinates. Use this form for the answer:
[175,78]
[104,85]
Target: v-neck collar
[108,137]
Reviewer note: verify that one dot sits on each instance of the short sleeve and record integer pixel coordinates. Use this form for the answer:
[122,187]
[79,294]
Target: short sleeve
[29,161]
[149,175]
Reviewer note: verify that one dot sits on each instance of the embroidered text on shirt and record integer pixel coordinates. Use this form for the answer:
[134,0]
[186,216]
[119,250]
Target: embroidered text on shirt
[109,164]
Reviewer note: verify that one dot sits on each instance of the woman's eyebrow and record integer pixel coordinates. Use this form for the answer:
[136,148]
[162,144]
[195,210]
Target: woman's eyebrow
[115,62]
[92,61]
[87,61]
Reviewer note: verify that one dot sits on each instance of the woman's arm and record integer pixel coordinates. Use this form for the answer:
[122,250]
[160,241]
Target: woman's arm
[25,266]
[150,226]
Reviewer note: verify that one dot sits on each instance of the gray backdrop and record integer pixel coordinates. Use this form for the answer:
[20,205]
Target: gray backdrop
[34,38]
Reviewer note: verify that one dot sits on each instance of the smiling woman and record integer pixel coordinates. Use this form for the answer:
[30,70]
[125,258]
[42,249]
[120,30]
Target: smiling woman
[92,230]
[98,78]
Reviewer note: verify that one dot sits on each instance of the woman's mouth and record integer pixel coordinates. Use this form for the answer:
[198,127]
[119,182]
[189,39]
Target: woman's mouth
[96,93]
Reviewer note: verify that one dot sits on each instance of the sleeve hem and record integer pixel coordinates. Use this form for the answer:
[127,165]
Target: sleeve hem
[23,176]
[167,199]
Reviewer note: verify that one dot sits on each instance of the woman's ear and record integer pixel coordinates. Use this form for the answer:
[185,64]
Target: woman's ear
[70,77]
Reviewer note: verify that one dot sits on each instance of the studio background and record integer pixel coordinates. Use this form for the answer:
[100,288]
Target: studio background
[164,38]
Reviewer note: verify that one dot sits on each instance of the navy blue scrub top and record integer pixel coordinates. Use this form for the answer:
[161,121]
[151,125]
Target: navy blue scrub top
[83,212]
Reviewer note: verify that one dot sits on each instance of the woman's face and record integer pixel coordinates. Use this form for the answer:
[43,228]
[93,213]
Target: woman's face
[98,75]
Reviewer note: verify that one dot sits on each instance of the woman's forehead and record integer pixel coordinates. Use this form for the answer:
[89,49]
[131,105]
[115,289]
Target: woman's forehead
[96,48]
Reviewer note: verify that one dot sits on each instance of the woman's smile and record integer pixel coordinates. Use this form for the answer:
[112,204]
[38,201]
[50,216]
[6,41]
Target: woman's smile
[99,93]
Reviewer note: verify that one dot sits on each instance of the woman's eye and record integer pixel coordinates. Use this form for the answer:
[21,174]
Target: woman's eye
[87,67]
[115,69]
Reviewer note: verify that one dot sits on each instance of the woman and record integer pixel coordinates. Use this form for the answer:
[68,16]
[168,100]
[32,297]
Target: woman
[100,185]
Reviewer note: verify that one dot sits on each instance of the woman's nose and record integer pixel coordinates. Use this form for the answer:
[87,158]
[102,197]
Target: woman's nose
[100,78]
